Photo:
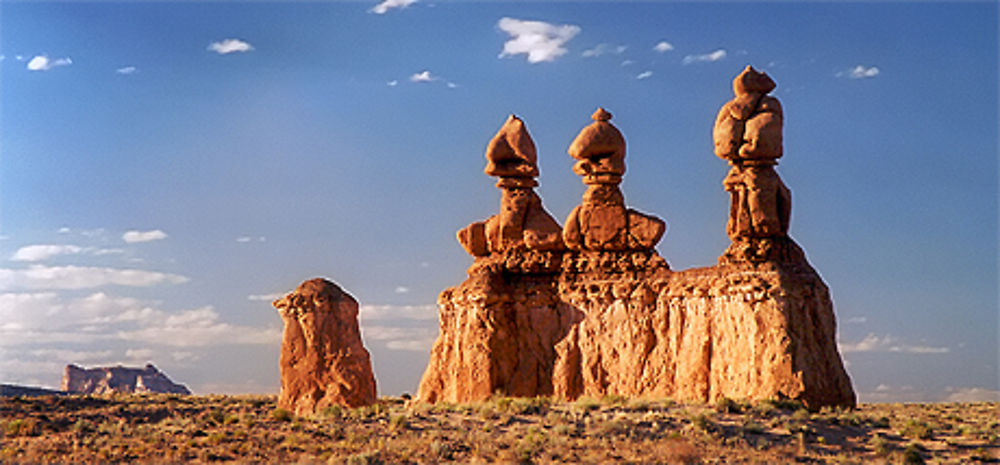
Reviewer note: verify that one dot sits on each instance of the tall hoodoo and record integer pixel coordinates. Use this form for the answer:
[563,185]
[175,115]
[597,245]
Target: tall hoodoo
[323,361]
[602,222]
[522,222]
[747,133]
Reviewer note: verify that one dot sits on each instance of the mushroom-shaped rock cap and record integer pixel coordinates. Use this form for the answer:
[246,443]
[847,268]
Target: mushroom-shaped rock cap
[511,153]
[600,145]
[751,81]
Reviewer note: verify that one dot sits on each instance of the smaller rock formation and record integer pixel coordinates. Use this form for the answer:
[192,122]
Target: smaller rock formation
[602,222]
[105,380]
[323,361]
[522,222]
[747,133]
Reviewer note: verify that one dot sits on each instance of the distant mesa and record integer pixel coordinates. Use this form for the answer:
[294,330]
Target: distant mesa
[106,380]
[14,390]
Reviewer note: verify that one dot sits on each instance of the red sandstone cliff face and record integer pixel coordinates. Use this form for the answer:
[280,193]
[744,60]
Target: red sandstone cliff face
[622,323]
[323,361]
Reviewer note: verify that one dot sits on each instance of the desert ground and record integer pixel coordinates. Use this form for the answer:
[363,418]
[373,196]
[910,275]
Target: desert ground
[158,429]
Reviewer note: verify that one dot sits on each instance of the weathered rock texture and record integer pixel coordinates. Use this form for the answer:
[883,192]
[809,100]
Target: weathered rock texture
[608,316]
[601,221]
[522,223]
[105,380]
[747,133]
[323,361]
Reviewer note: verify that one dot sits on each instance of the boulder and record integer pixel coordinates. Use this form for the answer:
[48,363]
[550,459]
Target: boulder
[323,361]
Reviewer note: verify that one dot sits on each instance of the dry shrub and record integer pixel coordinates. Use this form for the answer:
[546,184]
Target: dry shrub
[678,450]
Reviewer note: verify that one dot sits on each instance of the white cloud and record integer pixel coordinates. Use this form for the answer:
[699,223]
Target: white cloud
[644,75]
[540,41]
[37,253]
[860,72]
[604,49]
[663,46]
[975,394]
[397,312]
[452,85]
[34,318]
[399,338]
[392,83]
[708,57]
[627,62]
[423,76]
[143,236]
[44,63]
[127,70]
[856,320]
[246,239]
[19,57]
[140,355]
[387,5]
[402,290]
[888,343]
[81,277]
[265,297]
[42,252]
[230,46]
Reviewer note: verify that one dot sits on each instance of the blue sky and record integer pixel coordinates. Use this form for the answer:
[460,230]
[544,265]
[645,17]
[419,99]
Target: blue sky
[168,168]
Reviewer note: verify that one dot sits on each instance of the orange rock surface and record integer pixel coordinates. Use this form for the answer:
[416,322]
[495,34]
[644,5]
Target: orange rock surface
[323,361]
[609,317]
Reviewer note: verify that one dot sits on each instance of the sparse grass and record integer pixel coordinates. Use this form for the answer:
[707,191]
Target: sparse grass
[250,429]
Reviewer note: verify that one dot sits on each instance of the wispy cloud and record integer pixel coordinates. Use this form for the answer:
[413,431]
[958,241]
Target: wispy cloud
[418,339]
[705,58]
[81,277]
[860,72]
[888,343]
[627,62]
[42,252]
[386,5]
[397,312]
[265,297]
[663,46]
[44,63]
[227,46]
[402,290]
[246,239]
[392,83]
[644,75]
[856,320]
[423,76]
[604,49]
[975,394]
[32,318]
[539,40]
[127,70]
[143,236]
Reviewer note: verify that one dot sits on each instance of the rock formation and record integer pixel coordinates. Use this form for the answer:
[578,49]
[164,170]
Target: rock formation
[323,361]
[105,380]
[608,316]
[602,222]
[747,133]
[522,221]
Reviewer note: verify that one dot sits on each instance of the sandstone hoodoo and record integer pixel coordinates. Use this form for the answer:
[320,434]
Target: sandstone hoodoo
[105,380]
[606,315]
[323,361]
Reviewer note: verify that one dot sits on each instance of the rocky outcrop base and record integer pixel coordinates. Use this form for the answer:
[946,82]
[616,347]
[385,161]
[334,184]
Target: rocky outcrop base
[621,323]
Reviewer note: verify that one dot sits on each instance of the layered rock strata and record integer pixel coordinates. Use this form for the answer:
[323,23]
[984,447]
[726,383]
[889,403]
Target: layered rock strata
[608,316]
[105,380]
[323,361]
